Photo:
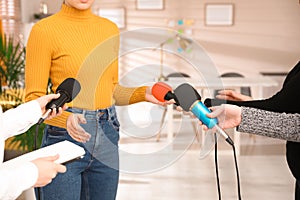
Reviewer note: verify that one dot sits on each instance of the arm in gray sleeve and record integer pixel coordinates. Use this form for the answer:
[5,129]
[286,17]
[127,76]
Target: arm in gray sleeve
[271,124]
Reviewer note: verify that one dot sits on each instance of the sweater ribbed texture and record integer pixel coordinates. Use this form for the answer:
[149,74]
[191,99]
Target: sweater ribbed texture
[78,44]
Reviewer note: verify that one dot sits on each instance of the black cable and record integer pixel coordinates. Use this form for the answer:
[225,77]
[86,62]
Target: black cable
[216,166]
[36,136]
[35,148]
[237,173]
[236,167]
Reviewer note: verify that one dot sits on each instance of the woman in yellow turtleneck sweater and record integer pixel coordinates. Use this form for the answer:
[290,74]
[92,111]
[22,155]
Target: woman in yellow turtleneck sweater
[75,43]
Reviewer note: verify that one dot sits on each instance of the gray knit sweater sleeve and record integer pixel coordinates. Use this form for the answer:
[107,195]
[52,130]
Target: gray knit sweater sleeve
[271,124]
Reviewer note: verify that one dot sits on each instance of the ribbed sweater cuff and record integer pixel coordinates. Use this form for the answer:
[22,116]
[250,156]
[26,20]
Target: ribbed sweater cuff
[139,95]
[59,121]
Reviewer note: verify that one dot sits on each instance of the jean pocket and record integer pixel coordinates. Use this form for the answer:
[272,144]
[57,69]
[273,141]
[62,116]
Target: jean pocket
[57,133]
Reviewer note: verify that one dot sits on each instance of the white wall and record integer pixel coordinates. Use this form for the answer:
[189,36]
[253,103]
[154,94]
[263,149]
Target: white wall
[265,35]
[28,8]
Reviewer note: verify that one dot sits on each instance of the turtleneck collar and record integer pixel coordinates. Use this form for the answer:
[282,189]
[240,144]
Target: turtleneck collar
[75,14]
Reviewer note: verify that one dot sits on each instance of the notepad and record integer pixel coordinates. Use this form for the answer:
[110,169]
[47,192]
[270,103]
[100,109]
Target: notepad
[67,151]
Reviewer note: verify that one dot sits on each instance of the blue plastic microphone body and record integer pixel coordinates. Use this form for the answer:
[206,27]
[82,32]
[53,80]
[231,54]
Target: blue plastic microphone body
[200,111]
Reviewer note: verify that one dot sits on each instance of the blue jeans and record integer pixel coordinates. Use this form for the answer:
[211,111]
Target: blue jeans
[96,175]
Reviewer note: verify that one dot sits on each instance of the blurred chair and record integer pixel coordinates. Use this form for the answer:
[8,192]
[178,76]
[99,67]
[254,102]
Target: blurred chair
[178,75]
[243,90]
[176,115]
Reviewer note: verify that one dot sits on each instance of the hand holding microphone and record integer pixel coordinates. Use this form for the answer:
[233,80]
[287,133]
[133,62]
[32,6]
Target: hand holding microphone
[162,93]
[67,91]
[190,100]
[229,116]
[44,100]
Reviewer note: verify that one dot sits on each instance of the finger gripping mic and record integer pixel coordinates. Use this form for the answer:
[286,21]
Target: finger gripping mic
[190,100]
[68,90]
[163,92]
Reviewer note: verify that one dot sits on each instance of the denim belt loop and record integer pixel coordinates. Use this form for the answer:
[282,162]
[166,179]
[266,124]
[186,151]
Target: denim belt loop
[103,114]
[111,113]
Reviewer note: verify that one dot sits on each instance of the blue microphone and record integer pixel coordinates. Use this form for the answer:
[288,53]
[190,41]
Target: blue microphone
[190,100]
[200,111]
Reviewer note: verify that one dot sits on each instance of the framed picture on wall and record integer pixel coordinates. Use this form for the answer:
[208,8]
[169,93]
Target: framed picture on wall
[149,4]
[219,14]
[116,15]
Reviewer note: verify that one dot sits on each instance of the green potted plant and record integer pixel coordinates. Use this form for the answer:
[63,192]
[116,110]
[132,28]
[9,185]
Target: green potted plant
[12,63]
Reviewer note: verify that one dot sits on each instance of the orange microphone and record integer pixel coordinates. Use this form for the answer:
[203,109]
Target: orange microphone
[163,92]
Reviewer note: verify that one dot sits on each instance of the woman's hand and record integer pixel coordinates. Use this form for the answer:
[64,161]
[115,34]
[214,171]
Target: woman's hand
[232,95]
[75,130]
[44,100]
[47,169]
[228,116]
[150,98]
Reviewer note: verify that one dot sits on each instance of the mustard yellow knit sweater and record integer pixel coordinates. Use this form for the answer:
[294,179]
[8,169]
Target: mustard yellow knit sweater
[78,44]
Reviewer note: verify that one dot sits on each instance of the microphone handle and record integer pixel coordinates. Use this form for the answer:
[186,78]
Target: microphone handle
[222,132]
[54,104]
[200,111]
[60,101]
[216,102]
[170,96]
[42,119]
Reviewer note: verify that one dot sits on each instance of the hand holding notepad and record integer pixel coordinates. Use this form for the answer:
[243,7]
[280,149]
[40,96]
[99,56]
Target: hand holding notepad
[67,151]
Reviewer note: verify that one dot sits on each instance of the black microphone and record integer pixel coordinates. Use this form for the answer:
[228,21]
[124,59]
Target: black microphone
[214,102]
[190,100]
[68,90]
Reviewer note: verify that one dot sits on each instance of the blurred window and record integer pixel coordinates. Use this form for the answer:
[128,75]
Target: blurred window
[10,14]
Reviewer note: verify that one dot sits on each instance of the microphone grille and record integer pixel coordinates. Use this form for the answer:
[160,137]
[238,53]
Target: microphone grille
[69,86]
[186,96]
[159,90]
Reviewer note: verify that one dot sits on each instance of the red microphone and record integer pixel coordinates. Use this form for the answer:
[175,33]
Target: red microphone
[163,92]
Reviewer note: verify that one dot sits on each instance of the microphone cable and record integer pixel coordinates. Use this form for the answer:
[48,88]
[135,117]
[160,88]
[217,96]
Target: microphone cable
[236,169]
[194,104]
[35,148]
[237,173]
[216,166]
[37,127]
